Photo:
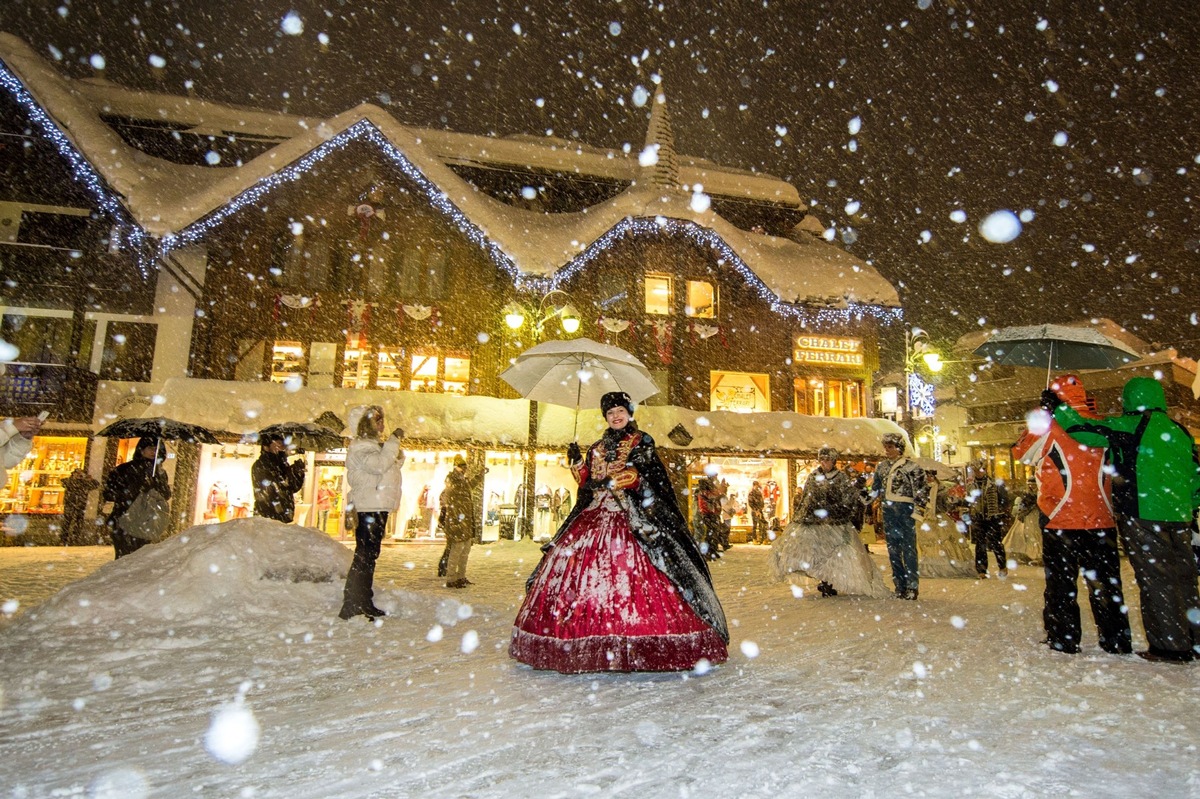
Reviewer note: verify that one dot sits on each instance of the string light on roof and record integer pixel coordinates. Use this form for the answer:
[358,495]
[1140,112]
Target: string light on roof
[362,130]
[660,226]
[127,233]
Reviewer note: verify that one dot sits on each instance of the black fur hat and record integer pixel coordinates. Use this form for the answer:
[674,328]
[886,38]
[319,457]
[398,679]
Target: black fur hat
[616,399]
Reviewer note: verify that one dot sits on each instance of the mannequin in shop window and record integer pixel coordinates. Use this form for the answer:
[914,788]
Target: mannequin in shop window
[326,498]
[218,501]
[542,518]
[622,586]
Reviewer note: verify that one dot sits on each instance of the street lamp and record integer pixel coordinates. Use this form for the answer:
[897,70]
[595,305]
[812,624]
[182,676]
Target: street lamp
[555,304]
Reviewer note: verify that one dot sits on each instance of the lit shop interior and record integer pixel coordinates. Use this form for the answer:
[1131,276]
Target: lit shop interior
[224,491]
[35,485]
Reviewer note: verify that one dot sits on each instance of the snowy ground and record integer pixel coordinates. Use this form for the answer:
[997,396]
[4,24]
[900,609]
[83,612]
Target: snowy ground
[151,676]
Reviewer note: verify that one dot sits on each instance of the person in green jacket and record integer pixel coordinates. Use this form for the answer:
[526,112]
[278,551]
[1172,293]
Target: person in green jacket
[1156,490]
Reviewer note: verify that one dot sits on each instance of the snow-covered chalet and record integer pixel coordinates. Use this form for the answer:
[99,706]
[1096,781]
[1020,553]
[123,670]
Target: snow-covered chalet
[228,267]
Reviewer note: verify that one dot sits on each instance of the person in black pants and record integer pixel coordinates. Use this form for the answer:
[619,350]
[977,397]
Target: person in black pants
[986,513]
[1064,552]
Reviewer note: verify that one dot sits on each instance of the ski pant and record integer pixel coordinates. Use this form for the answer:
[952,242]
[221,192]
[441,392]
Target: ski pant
[989,537]
[900,532]
[1064,553]
[358,595]
[1162,560]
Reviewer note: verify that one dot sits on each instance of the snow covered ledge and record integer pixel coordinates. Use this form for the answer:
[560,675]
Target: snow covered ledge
[239,408]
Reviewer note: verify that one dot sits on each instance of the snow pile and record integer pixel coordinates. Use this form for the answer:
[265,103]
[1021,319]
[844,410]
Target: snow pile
[208,573]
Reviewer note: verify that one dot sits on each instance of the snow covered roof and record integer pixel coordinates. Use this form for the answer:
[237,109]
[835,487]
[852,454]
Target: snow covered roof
[241,408]
[179,203]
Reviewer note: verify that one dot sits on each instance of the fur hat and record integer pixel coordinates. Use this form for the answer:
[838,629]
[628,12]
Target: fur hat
[459,460]
[827,452]
[616,399]
[895,439]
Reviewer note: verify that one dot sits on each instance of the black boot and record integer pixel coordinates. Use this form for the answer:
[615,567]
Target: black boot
[826,589]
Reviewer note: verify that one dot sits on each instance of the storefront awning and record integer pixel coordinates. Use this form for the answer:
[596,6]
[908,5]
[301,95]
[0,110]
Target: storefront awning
[239,408]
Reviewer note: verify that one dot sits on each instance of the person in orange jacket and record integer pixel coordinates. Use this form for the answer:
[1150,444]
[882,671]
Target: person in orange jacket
[1078,529]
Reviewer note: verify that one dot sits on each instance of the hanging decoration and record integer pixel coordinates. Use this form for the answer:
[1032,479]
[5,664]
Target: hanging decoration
[664,338]
[421,312]
[365,212]
[360,317]
[297,301]
[705,331]
[607,324]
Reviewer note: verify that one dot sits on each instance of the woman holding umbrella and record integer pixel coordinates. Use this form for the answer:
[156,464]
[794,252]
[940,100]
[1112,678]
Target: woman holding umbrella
[622,586]
[129,481]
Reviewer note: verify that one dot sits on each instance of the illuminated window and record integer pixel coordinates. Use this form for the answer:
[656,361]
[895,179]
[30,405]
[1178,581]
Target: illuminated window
[287,361]
[389,372]
[741,392]
[458,375]
[701,299]
[440,373]
[817,396]
[658,294]
[356,364]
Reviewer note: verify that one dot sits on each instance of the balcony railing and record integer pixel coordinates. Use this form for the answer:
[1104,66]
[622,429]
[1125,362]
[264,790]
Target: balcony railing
[68,392]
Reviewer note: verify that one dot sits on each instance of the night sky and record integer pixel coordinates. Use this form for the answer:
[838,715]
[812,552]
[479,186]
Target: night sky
[888,117]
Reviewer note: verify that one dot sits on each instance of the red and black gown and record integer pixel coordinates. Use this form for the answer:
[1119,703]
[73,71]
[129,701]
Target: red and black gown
[622,586]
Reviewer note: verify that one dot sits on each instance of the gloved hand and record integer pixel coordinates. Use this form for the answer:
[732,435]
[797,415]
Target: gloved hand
[573,453]
[398,432]
[1049,400]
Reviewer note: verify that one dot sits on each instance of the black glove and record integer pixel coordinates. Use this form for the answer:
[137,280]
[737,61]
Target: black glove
[1049,400]
[573,453]
[398,432]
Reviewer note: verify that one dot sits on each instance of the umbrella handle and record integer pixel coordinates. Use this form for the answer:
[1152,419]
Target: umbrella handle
[1049,363]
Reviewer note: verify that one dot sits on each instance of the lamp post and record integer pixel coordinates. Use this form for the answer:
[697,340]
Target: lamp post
[917,348]
[554,304]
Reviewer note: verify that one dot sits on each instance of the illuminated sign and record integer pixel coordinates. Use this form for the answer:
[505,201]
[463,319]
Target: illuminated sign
[829,350]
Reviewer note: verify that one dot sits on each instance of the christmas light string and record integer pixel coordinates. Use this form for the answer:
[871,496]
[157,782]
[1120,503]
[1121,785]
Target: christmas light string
[127,231]
[659,226]
[361,130]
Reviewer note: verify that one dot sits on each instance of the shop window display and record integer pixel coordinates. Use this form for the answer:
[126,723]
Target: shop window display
[35,485]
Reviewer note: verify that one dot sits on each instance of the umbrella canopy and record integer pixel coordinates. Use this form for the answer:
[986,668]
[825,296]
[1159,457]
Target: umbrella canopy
[576,373]
[1055,347]
[943,471]
[159,427]
[303,435]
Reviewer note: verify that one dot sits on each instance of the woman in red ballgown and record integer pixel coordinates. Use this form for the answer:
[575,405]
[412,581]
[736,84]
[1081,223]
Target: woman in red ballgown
[622,586]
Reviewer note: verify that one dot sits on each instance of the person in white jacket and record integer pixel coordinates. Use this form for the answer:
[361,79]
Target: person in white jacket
[373,475]
[16,439]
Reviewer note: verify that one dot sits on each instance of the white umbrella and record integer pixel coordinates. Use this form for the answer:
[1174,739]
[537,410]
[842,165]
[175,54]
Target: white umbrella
[578,372]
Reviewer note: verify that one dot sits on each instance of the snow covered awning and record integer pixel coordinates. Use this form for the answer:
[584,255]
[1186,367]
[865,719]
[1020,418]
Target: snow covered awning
[239,408]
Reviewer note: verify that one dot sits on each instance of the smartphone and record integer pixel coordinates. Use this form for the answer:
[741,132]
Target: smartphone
[43,416]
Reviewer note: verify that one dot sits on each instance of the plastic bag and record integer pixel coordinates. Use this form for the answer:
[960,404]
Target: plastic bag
[147,517]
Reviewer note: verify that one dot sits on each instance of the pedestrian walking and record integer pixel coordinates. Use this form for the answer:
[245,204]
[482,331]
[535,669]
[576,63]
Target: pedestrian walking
[457,518]
[125,484]
[985,519]
[77,487]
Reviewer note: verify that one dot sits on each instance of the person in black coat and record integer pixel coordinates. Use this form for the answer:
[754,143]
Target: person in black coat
[276,481]
[127,482]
